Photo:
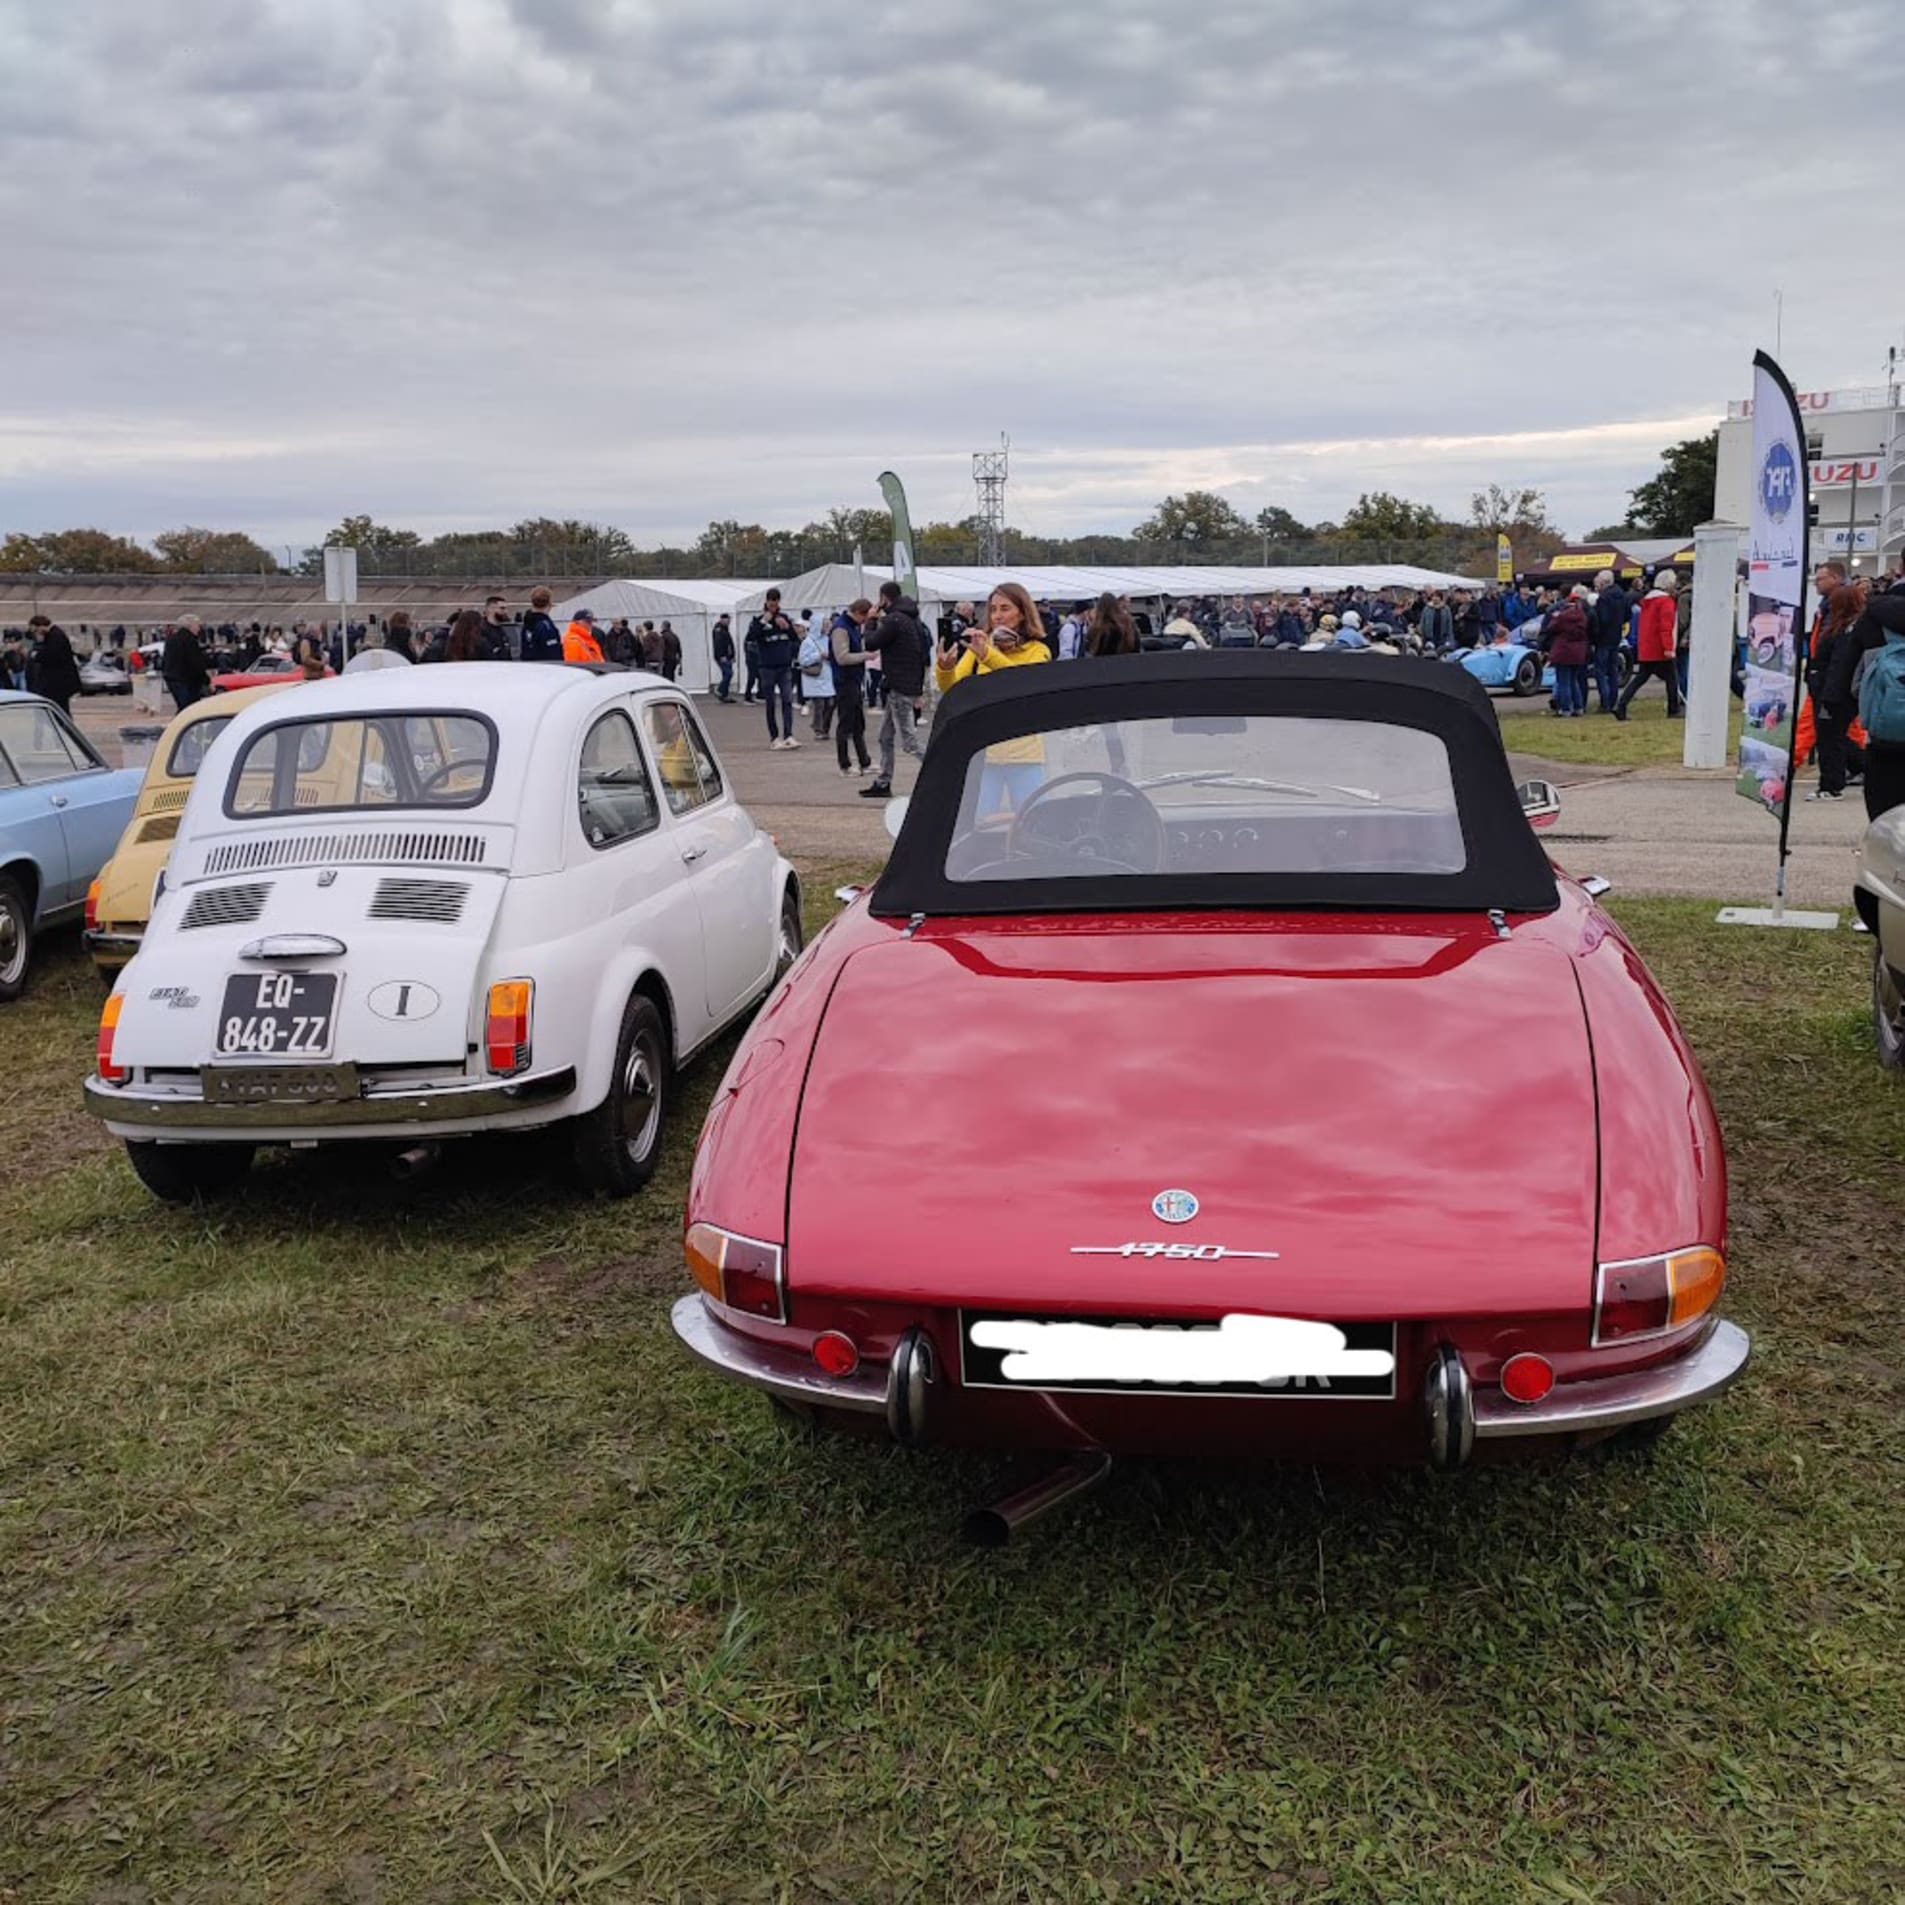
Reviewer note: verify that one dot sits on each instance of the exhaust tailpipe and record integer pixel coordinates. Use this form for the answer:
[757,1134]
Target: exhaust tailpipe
[414,1161]
[995,1525]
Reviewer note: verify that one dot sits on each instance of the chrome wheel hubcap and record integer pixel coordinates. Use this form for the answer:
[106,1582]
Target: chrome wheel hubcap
[12,944]
[1888,1009]
[789,946]
[641,1097]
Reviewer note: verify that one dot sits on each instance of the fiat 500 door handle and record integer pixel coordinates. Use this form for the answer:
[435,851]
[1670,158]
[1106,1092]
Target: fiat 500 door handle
[691,854]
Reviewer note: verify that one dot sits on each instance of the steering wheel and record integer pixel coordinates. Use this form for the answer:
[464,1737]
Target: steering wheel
[445,770]
[1124,817]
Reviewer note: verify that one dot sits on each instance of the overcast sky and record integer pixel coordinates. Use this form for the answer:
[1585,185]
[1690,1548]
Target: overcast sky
[455,262]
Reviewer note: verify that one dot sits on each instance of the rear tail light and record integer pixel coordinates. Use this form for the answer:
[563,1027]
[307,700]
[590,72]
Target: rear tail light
[1651,1296]
[741,1272]
[506,1035]
[92,907]
[110,1073]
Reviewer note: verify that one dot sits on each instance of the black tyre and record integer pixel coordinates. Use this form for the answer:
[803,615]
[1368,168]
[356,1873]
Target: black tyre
[180,1173]
[1528,675]
[1888,1014]
[790,938]
[16,937]
[615,1147]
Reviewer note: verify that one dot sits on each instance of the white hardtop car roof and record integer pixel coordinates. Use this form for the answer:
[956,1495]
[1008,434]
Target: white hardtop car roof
[519,699]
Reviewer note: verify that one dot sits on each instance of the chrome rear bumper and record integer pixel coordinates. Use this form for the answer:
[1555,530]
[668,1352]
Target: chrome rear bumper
[110,949]
[734,1353]
[1613,1402]
[448,1104]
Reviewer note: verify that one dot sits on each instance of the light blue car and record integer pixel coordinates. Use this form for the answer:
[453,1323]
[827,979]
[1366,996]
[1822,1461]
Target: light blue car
[1510,665]
[62,810]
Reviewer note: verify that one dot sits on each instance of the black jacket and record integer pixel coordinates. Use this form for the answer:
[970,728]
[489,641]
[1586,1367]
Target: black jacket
[1883,615]
[899,639]
[1610,616]
[774,639]
[723,641]
[54,672]
[184,660]
[542,639]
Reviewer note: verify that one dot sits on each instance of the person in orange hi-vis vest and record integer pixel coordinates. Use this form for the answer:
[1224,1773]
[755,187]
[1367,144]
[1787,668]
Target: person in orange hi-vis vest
[578,639]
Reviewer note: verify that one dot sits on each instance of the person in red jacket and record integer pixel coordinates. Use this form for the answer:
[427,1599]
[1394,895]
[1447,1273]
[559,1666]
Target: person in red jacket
[1656,644]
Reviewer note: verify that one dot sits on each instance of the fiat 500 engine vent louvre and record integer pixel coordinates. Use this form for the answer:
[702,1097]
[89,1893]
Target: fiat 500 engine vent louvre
[347,849]
[438,900]
[171,800]
[160,827]
[226,905]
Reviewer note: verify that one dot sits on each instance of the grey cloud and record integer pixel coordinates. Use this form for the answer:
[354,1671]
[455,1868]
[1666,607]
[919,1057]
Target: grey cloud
[657,260]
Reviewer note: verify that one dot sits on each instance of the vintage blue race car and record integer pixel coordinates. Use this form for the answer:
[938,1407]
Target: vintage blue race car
[62,810]
[1520,668]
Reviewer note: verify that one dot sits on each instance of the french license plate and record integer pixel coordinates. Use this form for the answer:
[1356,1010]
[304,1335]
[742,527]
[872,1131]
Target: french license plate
[278,1084]
[277,1015]
[1162,1356]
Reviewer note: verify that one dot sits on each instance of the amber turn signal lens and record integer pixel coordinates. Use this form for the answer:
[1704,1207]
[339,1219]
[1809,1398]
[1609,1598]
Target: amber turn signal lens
[741,1272]
[1696,1278]
[110,1073]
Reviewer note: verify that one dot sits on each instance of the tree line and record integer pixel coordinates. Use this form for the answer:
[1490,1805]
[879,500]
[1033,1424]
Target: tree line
[1200,527]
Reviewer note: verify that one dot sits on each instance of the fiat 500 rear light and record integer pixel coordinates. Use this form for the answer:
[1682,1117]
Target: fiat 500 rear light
[1654,1296]
[92,907]
[741,1272]
[109,1073]
[506,1033]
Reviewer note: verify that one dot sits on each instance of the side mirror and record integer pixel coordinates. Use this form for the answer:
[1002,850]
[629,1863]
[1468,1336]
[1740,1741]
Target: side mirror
[1540,801]
[894,814]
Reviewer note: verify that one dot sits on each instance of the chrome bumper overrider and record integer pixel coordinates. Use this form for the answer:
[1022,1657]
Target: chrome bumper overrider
[165,1111]
[106,946]
[1614,1401]
[737,1354]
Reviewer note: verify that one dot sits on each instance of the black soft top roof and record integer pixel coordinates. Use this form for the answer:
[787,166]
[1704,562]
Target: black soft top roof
[1506,866]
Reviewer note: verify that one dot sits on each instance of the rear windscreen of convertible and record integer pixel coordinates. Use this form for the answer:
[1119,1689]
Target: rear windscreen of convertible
[1220,793]
[364,763]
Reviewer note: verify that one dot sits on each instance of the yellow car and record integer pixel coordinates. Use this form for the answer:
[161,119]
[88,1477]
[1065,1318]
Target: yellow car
[119,902]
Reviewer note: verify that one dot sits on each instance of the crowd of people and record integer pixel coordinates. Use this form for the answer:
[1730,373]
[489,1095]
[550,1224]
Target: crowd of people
[1612,637]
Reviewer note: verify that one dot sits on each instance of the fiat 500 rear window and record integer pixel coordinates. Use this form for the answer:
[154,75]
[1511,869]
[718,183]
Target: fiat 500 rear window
[1208,794]
[193,744]
[364,763]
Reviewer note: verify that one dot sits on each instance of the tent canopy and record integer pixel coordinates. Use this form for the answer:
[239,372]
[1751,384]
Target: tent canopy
[837,583]
[692,606]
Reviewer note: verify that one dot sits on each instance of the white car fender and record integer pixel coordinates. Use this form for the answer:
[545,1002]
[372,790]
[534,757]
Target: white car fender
[609,988]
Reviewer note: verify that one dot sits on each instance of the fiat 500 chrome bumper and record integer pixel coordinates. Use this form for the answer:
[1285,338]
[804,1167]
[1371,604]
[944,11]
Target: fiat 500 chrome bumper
[1458,1414]
[448,1104]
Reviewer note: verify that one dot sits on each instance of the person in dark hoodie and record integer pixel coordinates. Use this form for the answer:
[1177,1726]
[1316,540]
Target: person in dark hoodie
[542,639]
[899,639]
[771,635]
[1882,620]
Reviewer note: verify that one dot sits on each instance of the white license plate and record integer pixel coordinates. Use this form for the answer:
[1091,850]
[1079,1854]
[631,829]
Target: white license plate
[277,1015]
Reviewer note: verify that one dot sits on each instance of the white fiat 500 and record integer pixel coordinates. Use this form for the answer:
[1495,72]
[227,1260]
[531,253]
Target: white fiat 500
[422,902]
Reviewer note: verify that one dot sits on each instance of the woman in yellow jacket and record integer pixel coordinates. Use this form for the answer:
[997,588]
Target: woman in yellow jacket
[1013,637]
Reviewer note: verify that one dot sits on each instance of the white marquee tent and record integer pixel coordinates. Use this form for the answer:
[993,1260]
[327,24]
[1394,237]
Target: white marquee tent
[837,583]
[691,606]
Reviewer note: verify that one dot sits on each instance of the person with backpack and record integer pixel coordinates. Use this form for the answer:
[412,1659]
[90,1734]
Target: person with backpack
[815,662]
[1871,654]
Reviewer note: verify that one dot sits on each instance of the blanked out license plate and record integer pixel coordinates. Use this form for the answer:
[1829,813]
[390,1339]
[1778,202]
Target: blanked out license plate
[278,1084]
[1241,1355]
[277,1015]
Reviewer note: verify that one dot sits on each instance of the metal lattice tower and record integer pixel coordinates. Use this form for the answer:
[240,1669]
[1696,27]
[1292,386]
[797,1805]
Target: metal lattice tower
[988,477]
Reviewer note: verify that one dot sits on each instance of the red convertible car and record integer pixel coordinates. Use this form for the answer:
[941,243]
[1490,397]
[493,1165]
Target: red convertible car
[268,671]
[1155,1098]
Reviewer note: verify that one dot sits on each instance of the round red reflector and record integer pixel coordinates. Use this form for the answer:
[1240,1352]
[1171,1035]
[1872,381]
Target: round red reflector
[1527,1378]
[836,1354]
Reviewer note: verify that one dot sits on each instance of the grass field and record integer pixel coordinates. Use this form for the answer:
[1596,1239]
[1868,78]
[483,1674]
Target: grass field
[1647,738]
[372,1543]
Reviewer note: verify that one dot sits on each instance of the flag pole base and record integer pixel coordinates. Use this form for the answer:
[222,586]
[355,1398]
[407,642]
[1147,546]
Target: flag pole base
[1777,916]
